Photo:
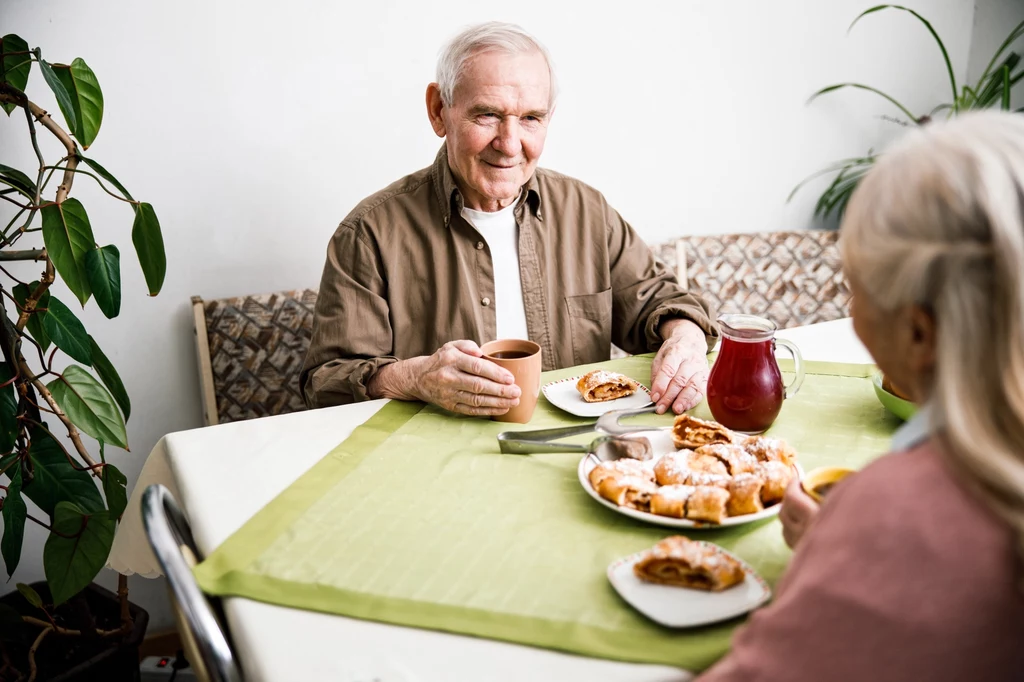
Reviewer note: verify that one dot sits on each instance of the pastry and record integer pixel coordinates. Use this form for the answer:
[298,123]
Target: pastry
[684,563]
[691,432]
[630,448]
[707,503]
[600,385]
[734,457]
[776,477]
[708,464]
[670,500]
[770,450]
[673,468]
[704,478]
[744,494]
[628,491]
[619,467]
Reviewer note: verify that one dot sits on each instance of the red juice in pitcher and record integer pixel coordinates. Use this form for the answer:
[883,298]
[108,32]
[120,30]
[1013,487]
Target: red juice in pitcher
[745,388]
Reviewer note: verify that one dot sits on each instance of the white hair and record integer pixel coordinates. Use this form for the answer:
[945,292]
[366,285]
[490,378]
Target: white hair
[939,223]
[493,36]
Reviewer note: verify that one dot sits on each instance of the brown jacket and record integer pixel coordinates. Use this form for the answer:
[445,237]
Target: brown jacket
[405,274]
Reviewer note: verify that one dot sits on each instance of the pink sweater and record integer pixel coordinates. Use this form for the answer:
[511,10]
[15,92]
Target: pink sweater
[904,576]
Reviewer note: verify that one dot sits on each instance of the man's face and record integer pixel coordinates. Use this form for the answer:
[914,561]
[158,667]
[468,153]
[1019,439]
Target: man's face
[496,125]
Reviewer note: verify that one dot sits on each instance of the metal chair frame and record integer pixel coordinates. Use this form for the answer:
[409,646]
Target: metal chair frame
[171,539]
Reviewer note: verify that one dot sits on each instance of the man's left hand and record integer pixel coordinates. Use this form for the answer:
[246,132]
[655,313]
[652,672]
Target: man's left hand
[679,374]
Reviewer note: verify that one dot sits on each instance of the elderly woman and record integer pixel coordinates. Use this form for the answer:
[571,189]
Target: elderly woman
[913,568]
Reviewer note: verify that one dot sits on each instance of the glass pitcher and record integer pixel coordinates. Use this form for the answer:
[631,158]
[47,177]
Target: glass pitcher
[745,389]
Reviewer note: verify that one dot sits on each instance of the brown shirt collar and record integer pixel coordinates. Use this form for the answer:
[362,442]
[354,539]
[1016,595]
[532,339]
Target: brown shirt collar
[448,193]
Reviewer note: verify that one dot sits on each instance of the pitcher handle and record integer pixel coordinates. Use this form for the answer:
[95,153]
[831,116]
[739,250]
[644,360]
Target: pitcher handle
[798,366]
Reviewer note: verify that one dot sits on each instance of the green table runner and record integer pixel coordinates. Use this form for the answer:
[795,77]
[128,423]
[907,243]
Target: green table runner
[417,519]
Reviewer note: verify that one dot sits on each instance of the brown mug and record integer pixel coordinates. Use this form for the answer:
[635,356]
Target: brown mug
[522,358]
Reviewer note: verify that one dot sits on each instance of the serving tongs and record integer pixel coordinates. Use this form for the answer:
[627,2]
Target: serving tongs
[538,441]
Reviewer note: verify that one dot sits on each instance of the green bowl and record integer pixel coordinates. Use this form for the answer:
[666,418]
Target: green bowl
[904,409]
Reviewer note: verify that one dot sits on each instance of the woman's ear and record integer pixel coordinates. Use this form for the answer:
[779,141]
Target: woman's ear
[434,108]
[923,337]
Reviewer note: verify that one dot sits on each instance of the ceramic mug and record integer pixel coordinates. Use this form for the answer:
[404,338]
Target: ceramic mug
[819,482]
[522,358]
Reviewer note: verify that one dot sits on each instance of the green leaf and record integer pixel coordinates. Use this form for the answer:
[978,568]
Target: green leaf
[103,270]
[115,488]
[76,550]
[110,378]
[89,406]
[14,68]
[149,244]
[67,235]
[35,320]
[1016,33]
[105,174]
[55,479]
[64,101]
[18,180]
[86,98]
[938,40]
[67,331]
[14,514]
[8,411]
[860,86]
[30,595]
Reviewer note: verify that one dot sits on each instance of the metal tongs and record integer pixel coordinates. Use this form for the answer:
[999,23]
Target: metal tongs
[527,442]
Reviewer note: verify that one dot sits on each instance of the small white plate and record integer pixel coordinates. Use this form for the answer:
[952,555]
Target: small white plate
[563,395]
[661,443]
[681,607]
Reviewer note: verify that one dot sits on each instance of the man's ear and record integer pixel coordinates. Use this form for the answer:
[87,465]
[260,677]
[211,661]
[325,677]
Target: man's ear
[923,340]
[434,108]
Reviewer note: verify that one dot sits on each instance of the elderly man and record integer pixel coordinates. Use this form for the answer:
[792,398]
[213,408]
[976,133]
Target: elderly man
[482,245]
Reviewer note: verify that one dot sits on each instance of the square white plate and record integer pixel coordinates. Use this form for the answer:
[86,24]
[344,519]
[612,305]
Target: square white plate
[563,395]
[681,607]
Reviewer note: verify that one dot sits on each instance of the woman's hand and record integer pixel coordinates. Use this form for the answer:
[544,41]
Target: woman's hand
[798,513]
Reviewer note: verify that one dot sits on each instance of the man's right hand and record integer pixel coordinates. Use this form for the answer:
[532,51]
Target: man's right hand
[456,377]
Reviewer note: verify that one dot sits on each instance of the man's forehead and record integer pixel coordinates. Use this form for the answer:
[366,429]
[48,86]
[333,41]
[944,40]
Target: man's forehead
[494,75]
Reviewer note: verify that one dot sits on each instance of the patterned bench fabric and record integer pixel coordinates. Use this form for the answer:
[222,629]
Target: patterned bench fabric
[256,348]
[792,278]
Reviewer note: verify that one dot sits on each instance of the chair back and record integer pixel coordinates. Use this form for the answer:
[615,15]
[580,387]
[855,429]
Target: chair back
[205,644]
[251,350]
[792,278]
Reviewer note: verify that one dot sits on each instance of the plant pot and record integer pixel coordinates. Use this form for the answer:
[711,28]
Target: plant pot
[70,658]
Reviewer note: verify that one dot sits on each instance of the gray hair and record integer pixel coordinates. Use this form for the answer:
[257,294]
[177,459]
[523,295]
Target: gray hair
[939,222]
[494,36]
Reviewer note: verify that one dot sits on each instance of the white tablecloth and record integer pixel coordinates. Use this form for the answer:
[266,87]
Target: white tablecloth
[222,475]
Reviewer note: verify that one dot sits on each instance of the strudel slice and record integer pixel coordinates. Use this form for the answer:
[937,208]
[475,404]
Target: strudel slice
[776,477]
[600,385]
[744,495]
[691,432]
[684,563]
[707,503]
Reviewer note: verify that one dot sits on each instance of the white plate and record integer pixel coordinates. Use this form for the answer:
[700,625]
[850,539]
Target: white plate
[661,443]
[563,395]
[681,607]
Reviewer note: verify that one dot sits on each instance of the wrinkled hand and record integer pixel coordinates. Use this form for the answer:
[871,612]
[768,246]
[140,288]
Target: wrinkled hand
[679,373]
[797,514]
[458,378]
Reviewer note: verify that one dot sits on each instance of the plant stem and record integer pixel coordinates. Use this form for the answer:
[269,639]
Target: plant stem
[29,254]
[98,181]
[65,631]
[122,596]
[73,434]
[32,652]
[45,280]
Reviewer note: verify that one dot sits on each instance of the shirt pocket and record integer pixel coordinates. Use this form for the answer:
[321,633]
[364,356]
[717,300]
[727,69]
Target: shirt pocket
[590,326]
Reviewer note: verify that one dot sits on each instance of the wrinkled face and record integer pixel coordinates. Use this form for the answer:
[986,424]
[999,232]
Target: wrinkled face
[496,126]
[902,342]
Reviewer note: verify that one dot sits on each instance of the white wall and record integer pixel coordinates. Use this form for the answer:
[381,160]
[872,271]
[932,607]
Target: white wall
[253,127]
[993,21]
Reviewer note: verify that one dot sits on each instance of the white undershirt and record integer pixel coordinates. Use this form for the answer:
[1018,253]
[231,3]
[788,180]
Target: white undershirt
[502,234]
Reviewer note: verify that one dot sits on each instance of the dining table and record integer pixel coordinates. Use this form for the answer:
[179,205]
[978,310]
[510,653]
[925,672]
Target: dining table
[223,475]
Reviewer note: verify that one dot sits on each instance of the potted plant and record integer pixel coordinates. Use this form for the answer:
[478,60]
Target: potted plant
[65,627]
[991,90]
